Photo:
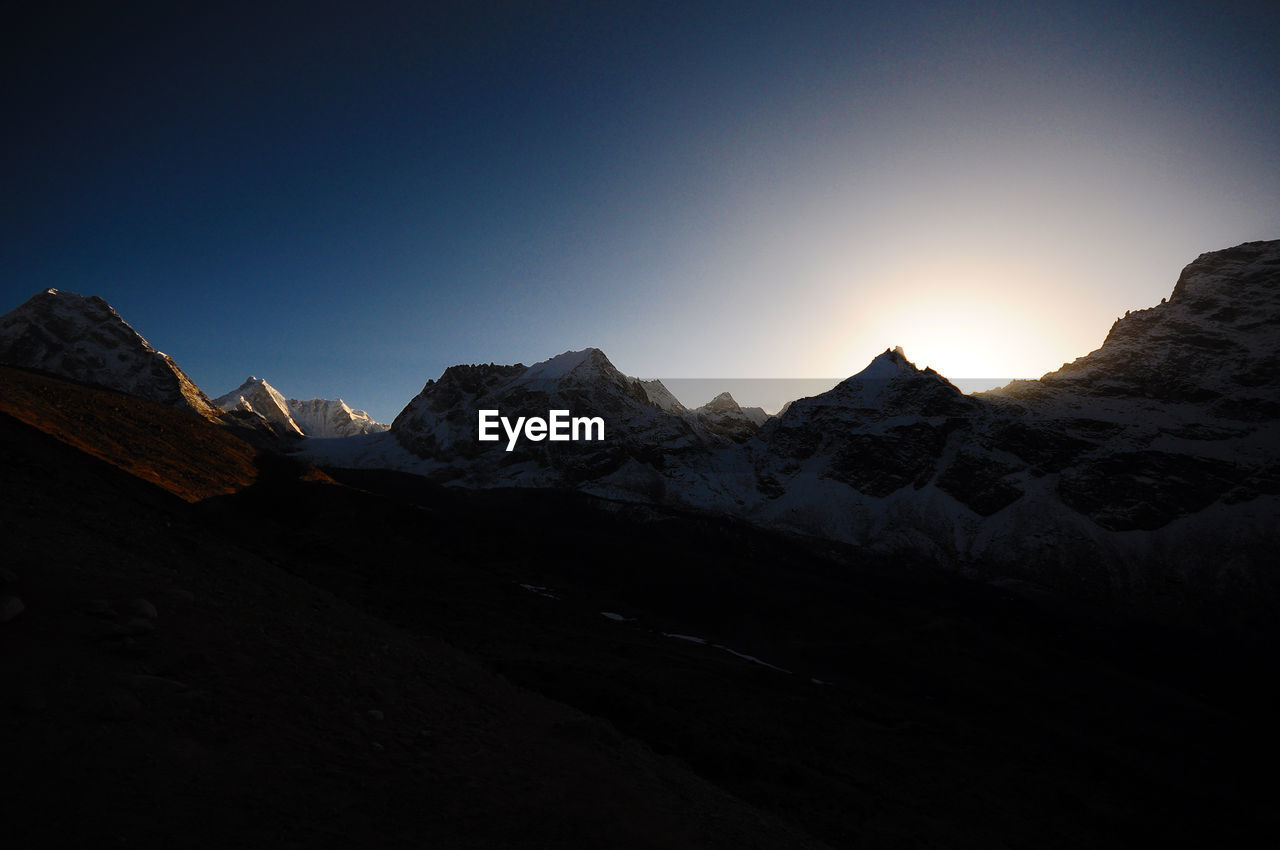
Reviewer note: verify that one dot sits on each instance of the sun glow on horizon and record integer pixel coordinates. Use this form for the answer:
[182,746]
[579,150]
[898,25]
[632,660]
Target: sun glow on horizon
[969,320]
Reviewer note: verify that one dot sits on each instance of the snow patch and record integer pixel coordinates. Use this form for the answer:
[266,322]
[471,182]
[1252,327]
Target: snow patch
[540,590]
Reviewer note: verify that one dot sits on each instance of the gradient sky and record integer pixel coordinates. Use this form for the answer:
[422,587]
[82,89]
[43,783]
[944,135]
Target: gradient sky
[346,198]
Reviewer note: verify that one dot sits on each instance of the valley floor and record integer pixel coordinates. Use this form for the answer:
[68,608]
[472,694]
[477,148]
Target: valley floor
[371,661]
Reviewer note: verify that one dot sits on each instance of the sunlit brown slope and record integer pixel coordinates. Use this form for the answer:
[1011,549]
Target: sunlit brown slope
[185,454]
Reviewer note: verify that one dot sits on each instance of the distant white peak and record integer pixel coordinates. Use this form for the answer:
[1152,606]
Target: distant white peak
[328,418]
[257,396]
[254,384]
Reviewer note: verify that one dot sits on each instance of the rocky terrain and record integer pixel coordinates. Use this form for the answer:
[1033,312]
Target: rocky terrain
[378,661]
[83,338]
[1143,475]
[891,616]
[439,427]
[169,680]
[725,416]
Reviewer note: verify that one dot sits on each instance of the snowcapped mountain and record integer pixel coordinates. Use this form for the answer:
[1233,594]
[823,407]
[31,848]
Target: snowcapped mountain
[1141,471]
[1146,468]
[82,338]
[1147,472]
[1213,341]
[328,418]
[1179,409]
[724,416]
[876,432]
[439,427]
[321,418]
[256,396]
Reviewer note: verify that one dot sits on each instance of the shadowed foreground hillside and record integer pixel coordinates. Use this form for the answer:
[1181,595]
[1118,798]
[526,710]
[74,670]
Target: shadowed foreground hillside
[168,686]
[380,662]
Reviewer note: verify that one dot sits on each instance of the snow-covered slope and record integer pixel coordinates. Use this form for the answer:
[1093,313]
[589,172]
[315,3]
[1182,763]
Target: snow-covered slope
[440,427]
[877,431]
[320,418]
[724,416]
[1178,408]
[662,397]
[1148,469]
[327,418]
[1214,341]
[84,339]
[255,395]
[1144,470]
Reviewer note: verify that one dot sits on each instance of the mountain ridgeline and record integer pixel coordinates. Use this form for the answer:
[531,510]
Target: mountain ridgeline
[319,417]
[892,615]
[1144,474]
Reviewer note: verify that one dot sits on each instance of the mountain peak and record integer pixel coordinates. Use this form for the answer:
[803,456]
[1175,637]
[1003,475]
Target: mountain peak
[327,418]
[255,395]
[892,383]
[84,339]
[722,402]
[1212,340]
[439,424]
[317,417]
[724,416]
[887,366]
[1242,265]
[584,362]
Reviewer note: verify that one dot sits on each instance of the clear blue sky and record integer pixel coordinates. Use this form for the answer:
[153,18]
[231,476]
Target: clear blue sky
[346,198]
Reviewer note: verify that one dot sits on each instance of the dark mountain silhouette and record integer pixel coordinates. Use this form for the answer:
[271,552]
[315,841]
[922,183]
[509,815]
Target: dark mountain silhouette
[832,633]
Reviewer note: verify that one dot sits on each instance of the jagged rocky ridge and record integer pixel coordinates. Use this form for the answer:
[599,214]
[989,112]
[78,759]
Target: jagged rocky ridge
[255,398]
[332,417]
[82,338]
[724,415]
[321,418]
[644,443]
[1144,469]
[1148,467]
